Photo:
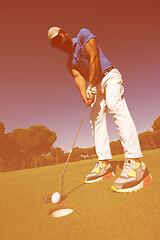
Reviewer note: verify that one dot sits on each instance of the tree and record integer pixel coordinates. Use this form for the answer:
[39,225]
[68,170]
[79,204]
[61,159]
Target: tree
[37,140]
[23,147]
[116,147]
[156,124]
[149,140]
[5,153]
[2,128]
[57,154]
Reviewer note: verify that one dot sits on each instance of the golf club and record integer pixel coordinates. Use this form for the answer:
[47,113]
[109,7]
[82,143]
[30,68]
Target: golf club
[57,197]
[63,196]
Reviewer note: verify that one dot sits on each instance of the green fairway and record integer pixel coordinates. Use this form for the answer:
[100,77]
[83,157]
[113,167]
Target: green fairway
[98,213]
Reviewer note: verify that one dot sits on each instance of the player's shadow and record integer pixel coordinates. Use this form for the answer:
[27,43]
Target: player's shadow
[114,165]
[75,189]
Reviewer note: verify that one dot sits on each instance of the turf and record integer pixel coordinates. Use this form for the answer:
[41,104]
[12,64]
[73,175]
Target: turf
[98,213]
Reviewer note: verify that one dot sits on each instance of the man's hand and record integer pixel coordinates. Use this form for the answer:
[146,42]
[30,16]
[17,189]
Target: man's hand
[88,101]
[88,94]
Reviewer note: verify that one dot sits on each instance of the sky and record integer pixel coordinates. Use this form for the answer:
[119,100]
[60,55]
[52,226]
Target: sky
[35,86]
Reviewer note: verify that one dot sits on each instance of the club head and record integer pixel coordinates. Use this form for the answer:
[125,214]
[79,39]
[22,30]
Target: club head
[48,199]
[62,197]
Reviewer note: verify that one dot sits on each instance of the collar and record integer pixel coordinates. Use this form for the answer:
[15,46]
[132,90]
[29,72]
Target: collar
[74,41]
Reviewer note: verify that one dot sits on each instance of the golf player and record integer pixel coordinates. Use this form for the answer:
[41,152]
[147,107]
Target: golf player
[101,87]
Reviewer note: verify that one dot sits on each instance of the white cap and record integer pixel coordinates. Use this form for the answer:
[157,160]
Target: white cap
[53,32]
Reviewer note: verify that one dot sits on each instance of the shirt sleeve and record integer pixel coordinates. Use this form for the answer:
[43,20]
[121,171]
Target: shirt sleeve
[84,36]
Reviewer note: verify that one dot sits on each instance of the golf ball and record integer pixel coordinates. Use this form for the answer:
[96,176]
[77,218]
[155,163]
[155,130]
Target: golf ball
[56,197]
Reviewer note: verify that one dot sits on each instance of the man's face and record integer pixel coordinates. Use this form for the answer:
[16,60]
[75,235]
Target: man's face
[62,42]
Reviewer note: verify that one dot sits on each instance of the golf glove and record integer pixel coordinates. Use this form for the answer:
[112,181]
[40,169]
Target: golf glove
[91,90]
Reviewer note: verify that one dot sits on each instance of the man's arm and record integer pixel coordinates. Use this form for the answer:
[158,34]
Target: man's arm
[82,87]
[92,52]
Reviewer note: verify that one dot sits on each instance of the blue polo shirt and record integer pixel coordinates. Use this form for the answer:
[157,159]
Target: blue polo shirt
[78,60]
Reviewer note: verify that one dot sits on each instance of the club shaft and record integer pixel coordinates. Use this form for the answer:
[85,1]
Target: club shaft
[72,149]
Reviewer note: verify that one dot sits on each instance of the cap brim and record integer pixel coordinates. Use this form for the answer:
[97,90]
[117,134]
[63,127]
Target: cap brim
[55,35]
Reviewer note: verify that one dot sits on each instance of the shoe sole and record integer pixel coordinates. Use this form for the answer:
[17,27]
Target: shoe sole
[145,182]
[105,177]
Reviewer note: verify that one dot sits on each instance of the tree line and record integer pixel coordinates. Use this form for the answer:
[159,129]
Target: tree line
[33,147]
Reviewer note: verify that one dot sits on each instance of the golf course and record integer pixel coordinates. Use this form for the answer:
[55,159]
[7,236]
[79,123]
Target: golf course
[98,212]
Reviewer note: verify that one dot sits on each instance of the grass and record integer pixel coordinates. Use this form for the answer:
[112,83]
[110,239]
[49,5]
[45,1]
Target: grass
[98,213]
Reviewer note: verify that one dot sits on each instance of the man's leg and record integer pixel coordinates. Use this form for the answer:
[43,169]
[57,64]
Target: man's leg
[134,174]
[99,127]
[103,169]
[118,108]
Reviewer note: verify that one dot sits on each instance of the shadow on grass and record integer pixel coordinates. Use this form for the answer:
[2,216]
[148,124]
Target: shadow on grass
[75,189]
[114,165]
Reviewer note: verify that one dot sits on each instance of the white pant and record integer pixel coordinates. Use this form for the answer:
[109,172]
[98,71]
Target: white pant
[110,95]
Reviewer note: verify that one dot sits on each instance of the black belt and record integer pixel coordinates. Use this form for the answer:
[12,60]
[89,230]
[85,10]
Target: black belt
[106,71]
